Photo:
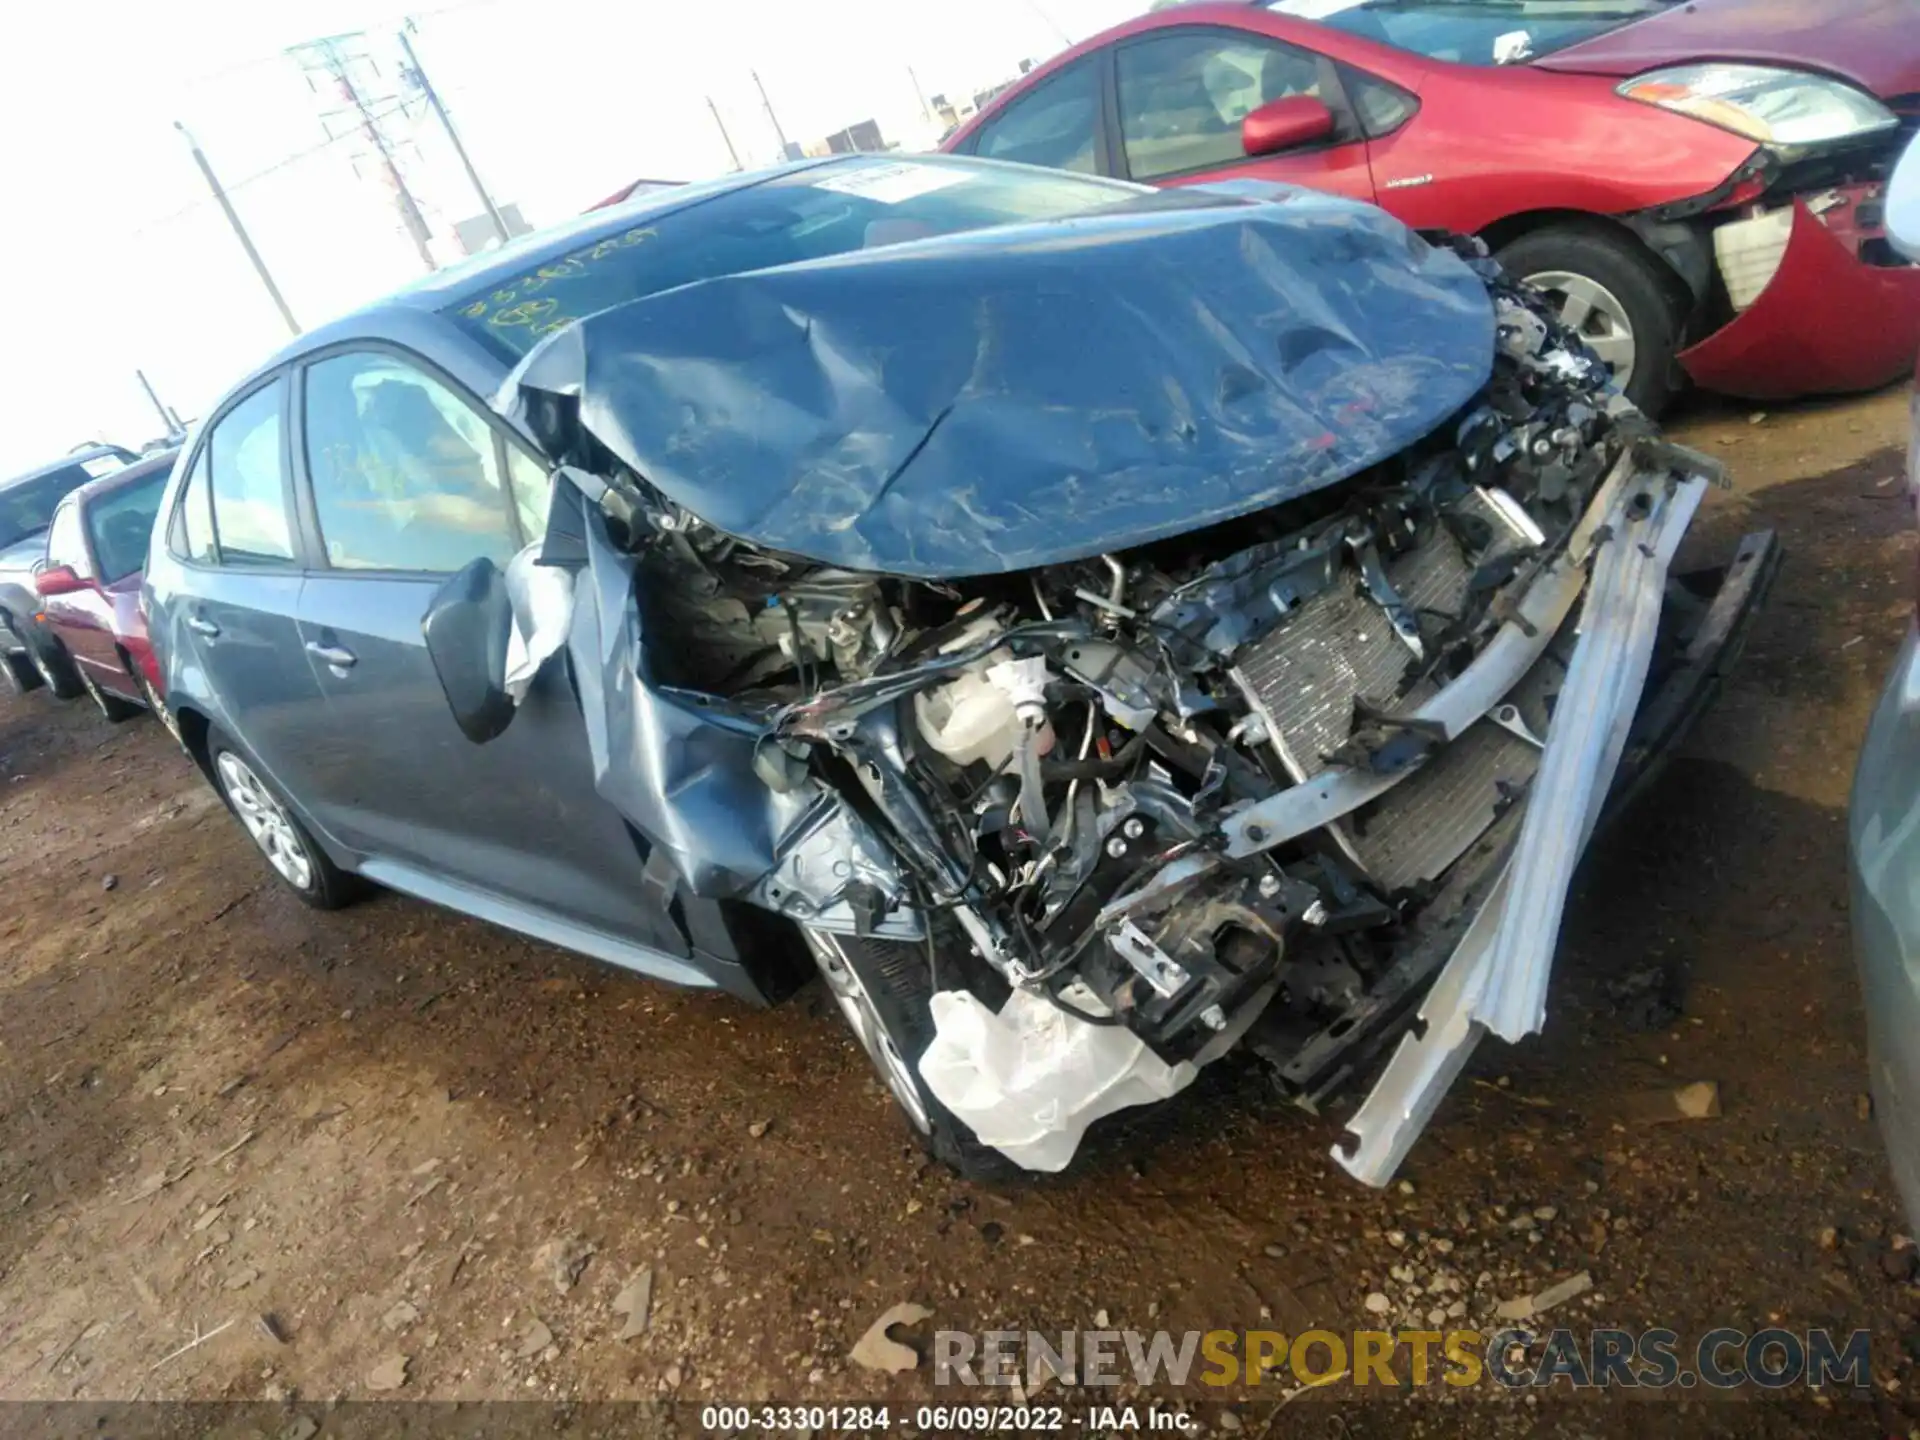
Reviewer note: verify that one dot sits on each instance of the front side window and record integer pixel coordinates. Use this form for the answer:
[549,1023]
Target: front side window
[121,524]
[66,542]
[246,479]
[406,475]
[1381,106]
[1183,95]
[1054,124]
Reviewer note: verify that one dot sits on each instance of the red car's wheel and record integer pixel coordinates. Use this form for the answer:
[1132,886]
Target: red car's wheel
[111,706]
[55,667]
[1614,297]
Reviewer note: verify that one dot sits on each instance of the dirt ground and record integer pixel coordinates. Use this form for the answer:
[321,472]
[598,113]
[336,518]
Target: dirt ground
[374,1135]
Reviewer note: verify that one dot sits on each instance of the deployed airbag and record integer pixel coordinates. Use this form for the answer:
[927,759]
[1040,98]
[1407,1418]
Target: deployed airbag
[1030,1080]
[1027,395]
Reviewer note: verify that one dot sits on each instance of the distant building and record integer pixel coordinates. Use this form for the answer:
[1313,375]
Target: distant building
[477,233]
[861,138]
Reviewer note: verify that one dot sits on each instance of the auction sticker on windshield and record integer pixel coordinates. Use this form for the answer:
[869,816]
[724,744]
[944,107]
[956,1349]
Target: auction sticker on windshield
[891,184]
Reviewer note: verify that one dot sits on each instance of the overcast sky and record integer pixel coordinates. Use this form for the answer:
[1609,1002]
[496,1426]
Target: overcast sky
[117,258]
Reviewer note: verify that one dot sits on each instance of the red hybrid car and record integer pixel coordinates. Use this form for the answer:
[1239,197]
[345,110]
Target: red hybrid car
[90,586]
[1700,184]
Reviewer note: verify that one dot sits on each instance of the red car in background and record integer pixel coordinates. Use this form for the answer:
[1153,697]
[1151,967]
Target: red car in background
[90,586]
[1700,184]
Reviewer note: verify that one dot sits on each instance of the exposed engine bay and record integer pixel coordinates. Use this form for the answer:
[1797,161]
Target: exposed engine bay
[1055,791]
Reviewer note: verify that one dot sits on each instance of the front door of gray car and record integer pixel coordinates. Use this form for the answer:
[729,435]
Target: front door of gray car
[409,483]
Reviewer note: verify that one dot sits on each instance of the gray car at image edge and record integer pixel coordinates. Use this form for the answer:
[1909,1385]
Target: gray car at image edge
[1883,830]
[1094,629]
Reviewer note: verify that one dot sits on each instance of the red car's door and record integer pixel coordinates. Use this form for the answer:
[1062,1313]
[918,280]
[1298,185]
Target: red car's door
[1180,94]
[83,618]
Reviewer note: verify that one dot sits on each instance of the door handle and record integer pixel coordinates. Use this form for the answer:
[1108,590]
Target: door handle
[202,627]
[332,654]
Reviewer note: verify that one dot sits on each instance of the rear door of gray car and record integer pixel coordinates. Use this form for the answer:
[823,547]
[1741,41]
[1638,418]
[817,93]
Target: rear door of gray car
[406,480]
[241,571]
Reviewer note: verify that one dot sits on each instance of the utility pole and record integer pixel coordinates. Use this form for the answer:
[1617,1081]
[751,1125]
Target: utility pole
[336,64]
[735,154]
[239,230]
[446,120]
[926,110]
[779,134]
[168,420]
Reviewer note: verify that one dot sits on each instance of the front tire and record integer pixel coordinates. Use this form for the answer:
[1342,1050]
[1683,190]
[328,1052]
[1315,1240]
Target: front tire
[884,989]
[296,860]
[55,667]
[1615,297]
[17,675]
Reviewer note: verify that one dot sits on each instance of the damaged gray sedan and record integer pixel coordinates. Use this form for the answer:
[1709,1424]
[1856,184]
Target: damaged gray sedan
[1098,629]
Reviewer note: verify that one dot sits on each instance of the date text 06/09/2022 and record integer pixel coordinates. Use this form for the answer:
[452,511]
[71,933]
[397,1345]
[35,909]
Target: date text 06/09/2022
[1008,1419]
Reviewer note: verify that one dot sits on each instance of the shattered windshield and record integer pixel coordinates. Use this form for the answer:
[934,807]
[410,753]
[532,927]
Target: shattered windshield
[802,215]
[1474,32]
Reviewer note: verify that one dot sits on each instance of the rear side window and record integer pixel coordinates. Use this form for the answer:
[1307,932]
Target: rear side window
[121,524]
[191,537]
[1054,124]
[247,482]
[66,544]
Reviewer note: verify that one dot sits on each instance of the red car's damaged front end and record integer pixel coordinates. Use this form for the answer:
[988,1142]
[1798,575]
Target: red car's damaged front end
[1806,295]
[1839,312]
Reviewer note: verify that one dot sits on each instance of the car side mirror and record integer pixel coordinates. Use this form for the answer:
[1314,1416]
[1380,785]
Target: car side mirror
[58,580]
[1284,123]
[1903,203]
[467,628]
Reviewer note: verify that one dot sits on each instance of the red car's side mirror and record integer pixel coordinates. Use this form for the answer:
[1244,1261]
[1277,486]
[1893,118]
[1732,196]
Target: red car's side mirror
[1284,123]
[58,580]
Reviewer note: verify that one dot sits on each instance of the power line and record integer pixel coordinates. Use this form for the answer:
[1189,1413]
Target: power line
[294,159]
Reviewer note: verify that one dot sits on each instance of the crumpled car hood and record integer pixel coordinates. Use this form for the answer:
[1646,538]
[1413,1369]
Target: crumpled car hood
[995,401]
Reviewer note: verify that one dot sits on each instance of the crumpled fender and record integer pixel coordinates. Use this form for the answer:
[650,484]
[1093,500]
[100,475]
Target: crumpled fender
[678,766]
[1825,324]
[998,400]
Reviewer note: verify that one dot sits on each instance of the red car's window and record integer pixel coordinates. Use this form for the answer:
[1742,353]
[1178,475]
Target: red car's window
[1183,94]
[121,524]
[1054,124]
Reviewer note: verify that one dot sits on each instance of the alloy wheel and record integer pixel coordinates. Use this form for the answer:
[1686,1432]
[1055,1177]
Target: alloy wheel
[43,665]
[858,1007]
[265,820]
[1595,314]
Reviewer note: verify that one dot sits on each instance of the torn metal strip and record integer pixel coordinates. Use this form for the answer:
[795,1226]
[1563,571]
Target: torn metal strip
[1424,1064]
[1583,749]
[1596,708]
